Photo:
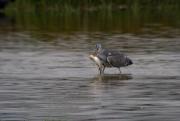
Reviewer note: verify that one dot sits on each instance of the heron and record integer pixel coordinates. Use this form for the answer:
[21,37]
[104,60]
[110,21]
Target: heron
[109,58]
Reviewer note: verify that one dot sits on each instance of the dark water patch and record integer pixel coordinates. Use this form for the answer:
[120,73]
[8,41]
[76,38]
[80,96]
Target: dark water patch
[159,77]
[149,19]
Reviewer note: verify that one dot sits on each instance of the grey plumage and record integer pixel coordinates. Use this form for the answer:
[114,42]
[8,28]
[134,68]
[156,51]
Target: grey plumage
[109,58]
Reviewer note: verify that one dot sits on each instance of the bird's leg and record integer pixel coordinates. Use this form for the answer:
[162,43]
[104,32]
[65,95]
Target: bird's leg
[103,69]
[99,70]
[119,70]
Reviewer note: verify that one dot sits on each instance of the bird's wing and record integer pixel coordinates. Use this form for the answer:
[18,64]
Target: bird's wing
[117,60]
[102,57]
[111,57]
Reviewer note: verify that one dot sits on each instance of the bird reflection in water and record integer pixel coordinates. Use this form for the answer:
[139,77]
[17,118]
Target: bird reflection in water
[106,86]
[112,79]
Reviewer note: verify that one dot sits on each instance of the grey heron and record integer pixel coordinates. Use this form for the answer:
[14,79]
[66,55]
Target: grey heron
[109,58]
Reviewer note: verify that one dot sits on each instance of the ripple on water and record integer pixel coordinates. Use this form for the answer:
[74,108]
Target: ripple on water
[40,81]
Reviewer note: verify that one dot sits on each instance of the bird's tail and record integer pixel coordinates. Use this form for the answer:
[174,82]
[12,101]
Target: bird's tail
[129,61]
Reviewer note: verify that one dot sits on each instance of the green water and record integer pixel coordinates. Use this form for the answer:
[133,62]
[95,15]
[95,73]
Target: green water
[114,16]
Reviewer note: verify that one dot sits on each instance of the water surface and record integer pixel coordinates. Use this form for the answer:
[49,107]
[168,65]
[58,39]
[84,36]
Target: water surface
[55,80]
[45,72]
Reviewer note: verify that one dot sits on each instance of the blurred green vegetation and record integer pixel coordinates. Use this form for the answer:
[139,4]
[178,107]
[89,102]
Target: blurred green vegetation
[94,15]
[76,5]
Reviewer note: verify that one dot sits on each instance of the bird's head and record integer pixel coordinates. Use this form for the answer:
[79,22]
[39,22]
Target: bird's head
[98,47]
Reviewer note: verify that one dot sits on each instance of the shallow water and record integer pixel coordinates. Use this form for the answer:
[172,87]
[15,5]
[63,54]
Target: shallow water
[55,80]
